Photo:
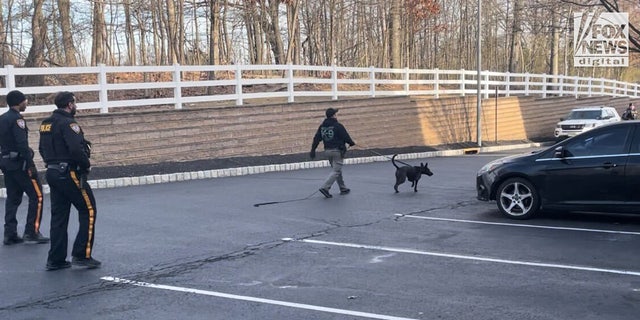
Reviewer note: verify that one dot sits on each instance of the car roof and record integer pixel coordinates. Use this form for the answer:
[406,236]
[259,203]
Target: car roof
[590,108]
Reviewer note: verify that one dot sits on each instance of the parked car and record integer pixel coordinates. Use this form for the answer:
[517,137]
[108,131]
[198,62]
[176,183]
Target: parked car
[584,119]
[597,171]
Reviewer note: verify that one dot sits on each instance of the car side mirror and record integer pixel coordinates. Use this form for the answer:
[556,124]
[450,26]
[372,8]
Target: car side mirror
[559,152]
[561,119]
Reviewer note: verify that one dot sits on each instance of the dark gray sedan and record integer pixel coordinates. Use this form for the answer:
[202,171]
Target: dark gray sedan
[596,171]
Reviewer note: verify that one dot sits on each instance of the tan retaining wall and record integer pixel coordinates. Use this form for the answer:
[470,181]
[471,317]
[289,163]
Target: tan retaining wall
[146,137]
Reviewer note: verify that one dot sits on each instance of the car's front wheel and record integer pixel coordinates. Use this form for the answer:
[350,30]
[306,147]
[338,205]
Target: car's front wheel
[517,198]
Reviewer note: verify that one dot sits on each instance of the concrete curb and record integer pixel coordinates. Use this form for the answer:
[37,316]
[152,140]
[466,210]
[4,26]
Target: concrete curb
[243,171]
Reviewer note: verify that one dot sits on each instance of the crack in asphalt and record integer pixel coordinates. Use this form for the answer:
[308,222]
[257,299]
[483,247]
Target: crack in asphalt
[161,271]
[457,205]
[168,270]
[154,273]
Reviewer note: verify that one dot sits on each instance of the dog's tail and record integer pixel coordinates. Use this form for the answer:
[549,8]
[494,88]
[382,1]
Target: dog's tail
[393,161]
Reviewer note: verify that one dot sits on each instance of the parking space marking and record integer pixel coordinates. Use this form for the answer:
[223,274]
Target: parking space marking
[254,299]
[519,225]
[465,257]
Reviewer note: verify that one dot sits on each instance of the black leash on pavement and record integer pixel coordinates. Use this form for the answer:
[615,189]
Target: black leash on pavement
[311,195]
[284,201]
[364,148]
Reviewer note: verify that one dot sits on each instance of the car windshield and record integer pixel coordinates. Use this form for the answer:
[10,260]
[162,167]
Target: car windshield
[584,114]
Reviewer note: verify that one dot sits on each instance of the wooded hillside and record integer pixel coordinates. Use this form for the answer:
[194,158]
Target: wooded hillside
[518,36]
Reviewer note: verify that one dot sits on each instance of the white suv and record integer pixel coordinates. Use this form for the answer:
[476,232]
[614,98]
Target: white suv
[584,119]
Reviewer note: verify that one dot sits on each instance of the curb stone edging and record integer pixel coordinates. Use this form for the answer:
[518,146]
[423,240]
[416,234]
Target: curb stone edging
[242,171]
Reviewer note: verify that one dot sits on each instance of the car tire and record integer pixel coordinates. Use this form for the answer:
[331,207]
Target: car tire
[518,199]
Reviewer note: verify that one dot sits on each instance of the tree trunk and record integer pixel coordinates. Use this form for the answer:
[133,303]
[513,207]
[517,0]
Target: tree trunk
[129,35]
[293,53]
[70,53]
[99,34]
[6,54]
[396,35]
[36,53]
[515,59]
[214,39]
[270,20]
[172,32]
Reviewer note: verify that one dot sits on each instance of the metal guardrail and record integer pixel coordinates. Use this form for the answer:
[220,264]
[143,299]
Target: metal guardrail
[237,83]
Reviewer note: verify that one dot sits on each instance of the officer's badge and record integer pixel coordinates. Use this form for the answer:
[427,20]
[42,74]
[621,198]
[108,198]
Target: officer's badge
[21,124]
[75,127]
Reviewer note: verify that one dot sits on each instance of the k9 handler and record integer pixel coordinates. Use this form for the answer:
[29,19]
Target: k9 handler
[66,153]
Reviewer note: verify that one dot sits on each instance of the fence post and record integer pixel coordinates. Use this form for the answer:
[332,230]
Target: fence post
[463,77]
[601,86]
[290,82]
[527,77]
[102,81]
[544,85]
[436,82]
[508,85]
[11,78]
[334,82]
[486,84]
[589,84]
[575,86]
[177,90]
[561,86]
[238,85]
[372,85]
[406,80]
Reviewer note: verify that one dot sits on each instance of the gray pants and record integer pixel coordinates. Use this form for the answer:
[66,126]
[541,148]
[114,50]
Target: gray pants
[335,159]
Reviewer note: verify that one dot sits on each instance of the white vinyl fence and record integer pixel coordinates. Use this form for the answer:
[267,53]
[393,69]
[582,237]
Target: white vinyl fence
[106,87]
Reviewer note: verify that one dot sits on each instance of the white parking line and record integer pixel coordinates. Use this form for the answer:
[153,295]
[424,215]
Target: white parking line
[253,299]
[474,258]
[520,225]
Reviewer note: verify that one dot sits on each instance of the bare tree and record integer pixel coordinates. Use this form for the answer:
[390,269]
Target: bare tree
[99,34]
[6,54]
[396,34]
[520,36]
[293,28]
[515,49]
[129,34]
[172,31]
[36,52]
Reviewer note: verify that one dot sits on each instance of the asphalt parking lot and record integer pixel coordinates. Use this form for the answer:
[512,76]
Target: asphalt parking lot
[201,250]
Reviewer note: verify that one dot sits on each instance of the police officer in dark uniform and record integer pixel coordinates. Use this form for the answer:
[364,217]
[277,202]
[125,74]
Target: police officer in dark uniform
[335,137]
[20,174]
[66,153]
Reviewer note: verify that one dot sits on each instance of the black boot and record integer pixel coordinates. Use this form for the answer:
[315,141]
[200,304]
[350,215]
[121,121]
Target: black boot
[35,238]
[90,263]
[12,239]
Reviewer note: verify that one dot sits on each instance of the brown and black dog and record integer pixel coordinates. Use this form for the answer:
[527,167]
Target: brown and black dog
[411,173]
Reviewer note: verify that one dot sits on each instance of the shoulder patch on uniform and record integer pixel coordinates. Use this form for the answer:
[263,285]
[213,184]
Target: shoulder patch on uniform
[20,123]
[75,127]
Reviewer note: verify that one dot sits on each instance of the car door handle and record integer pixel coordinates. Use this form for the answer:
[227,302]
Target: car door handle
[609,165]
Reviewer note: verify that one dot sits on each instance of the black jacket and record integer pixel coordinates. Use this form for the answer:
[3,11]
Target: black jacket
[62,140]
[333,134]
[14,136]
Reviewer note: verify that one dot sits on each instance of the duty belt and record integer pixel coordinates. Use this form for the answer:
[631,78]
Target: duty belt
[10,155]
[60,166]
